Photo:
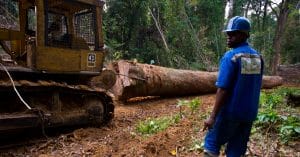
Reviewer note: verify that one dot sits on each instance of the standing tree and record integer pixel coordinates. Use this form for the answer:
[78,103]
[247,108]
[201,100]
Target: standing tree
[284,9]
[290,46]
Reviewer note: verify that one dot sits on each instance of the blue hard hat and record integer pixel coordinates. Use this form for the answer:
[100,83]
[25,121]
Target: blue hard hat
[238,23]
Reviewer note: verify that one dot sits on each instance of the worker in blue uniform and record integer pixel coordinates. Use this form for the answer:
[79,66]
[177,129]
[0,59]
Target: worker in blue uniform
[237,98]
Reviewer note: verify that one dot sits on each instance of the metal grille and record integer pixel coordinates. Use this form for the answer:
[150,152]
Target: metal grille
[57,31]
[85,27]
[58,22]
[9,15]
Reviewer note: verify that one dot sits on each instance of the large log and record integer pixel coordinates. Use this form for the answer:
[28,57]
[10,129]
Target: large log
[136,80]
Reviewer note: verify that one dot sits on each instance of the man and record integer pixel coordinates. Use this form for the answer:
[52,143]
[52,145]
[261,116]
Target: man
[239,82]
[54,30]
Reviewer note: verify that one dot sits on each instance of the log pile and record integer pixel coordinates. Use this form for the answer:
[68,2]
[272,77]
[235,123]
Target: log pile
[137,80]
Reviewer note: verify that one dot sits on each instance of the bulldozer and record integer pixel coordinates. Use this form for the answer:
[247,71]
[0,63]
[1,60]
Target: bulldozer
[50,53]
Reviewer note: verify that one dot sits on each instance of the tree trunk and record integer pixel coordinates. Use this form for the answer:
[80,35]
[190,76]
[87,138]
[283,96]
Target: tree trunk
[230,4]
[283,14]
[265,14]
[136,80]
[247,8]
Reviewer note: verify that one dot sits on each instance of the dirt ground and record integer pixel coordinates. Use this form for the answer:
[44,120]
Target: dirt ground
[119,138]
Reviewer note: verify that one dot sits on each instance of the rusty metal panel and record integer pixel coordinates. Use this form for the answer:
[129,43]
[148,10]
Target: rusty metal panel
[58,59]
[68,60]
[6,34]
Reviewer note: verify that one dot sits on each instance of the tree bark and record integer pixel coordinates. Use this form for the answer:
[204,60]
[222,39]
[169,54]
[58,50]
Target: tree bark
[230,4]
[283,14]
[265,14]
[247,8]
[137,80]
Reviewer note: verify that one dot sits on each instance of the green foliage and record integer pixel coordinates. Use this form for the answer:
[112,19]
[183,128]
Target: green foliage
[193,105]
[238,6]
[275,116]
[271,100]
[193,31]
[290,53]
[268,117]
[284,91]
[262,40]
[152,126]
[268,120]
[263,31]
[290,128]
[114,54]
[191,36]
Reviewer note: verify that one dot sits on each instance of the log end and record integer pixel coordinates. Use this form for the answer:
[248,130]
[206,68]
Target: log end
[271,82]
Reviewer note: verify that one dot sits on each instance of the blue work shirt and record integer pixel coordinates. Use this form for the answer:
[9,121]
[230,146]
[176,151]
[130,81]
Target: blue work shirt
[240,73]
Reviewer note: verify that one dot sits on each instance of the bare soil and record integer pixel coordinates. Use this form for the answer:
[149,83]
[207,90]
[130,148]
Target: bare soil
[119,138]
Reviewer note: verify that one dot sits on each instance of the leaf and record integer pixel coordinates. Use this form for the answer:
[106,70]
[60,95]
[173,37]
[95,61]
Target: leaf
[297,129]
[286,128]
[284,117]
[197,146]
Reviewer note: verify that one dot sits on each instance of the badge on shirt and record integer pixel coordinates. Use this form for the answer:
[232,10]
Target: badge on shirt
[251,65]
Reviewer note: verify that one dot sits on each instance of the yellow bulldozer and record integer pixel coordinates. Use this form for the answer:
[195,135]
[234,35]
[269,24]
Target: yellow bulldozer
[50,52]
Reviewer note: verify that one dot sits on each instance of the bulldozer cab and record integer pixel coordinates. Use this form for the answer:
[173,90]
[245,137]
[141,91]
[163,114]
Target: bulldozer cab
[53,36]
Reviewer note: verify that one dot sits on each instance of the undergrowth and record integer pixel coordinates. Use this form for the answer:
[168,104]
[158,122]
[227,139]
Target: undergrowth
[277,122]
[277,117]
[154,125]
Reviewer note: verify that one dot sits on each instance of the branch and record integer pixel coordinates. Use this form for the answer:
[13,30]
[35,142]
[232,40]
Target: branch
[275,12]
[277,5]
[194,34]
[160,31]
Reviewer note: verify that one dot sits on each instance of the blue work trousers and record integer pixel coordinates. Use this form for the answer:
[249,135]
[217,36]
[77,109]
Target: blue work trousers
[231,132]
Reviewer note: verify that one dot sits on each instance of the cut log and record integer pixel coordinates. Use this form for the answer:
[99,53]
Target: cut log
[105,80]
[137,80]
[271,81]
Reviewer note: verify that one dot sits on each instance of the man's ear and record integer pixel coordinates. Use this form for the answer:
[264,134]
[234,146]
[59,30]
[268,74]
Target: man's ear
[245,35]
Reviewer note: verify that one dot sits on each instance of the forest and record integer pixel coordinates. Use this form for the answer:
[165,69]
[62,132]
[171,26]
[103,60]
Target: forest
[187,34]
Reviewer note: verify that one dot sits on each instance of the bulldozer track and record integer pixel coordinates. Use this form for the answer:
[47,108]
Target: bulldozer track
[53,104]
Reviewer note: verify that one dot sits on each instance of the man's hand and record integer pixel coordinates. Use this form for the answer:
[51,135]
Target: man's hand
[221,97]
[209,123]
